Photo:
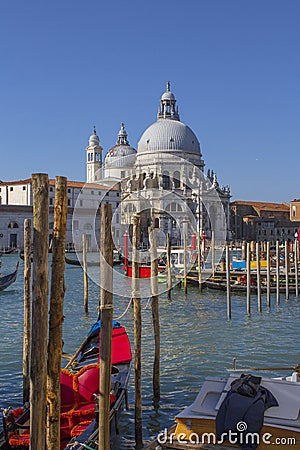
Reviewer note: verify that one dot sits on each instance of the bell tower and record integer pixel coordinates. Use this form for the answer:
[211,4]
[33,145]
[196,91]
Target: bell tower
[93,159]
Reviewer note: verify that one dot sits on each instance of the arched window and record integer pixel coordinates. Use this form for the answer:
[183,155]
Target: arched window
[130,208]
[13,225]
[176,179]
[173,207]
[166,180]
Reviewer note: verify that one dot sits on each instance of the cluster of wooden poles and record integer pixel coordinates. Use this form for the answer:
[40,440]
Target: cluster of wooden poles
[251,251]
[254,253]
[42,345]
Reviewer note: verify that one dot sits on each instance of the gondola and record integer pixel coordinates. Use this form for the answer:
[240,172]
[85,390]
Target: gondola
[79,390]
[117,259]
[8,251]
[7,280]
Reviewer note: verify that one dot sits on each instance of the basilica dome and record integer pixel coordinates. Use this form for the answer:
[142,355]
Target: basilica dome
[121,154]
[168,134]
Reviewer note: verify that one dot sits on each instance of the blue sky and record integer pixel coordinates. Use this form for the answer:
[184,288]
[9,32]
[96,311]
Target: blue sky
[234,67]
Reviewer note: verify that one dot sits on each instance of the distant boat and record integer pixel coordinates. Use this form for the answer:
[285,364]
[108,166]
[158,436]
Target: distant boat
[8,251]
[7,280]
[117,259]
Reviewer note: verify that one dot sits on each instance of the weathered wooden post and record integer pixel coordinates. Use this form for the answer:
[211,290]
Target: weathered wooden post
[258,277]
[27,309]
[213,253]
[169,274]
[56,314]
[268,275]
[244,250]
[106,311]
[199,261]
[39,333]
[286,269]
[248,271]
[137,332]
[184,264]
[252,249]
[277,273]
[228,282]
[155,313]
[296,268]
[85,276]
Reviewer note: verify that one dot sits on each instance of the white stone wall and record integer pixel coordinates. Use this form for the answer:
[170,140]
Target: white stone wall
[16,194]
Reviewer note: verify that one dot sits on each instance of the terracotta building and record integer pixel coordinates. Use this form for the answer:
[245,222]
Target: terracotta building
[261,221]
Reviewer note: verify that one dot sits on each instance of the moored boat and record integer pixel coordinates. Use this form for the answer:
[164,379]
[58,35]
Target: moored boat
[223,414]
[79,393]
[117,259]
[7,280]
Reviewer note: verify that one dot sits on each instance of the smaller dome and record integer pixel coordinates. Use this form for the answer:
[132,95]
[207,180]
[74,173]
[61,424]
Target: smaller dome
[167,96]
[121,154]
[94,139]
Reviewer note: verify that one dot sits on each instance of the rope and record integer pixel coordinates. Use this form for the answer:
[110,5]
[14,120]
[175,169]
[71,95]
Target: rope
[122,315]
[79,443]
[110,306]
[148,303]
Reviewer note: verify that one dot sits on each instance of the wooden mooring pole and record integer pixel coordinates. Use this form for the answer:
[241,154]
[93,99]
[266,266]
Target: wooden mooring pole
[56,314]
[228,282]
[296,268]
[169,273]
[137,332]
[213,253]
[248,270]
[268,275]
[155,314]
[27,309]
[258,278]
[39,333]
[286,269]
[277,273]
[85,276]
[184,264]
[199,261]
[106,314]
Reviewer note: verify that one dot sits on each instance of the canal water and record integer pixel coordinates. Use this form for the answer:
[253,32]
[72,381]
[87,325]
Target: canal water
[197,341]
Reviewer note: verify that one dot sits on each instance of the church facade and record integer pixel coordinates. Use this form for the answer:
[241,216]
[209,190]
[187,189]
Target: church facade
[163,180]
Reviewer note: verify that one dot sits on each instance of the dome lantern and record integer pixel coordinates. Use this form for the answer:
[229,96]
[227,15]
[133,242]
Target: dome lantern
[167,108]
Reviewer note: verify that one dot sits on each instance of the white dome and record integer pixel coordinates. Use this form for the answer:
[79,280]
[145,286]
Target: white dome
[94,139]
[120,156]
[167,96]
[169,135]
